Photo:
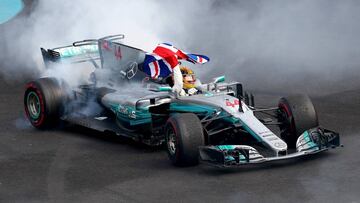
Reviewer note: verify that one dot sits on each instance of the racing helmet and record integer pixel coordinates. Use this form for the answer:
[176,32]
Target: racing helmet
[189,78]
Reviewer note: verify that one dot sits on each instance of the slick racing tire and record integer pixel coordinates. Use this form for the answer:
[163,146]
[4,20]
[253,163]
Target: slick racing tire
[44,102]
[297,114]
[183,136]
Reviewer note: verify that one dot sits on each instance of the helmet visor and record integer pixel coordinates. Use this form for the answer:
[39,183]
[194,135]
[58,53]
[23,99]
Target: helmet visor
[189,78]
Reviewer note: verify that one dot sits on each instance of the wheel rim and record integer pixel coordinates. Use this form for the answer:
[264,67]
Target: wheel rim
[286,117]
[33,105]
[171,141]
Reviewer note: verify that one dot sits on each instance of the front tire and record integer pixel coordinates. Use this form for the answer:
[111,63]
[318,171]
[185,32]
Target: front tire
[297,113]
[183,136]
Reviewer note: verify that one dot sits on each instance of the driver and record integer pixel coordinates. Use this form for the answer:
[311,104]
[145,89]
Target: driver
[190,85]
[189,81]
[164,61]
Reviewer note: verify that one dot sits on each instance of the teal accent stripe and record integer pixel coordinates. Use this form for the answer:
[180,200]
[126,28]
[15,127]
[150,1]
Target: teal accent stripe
[130,114]
[67,52]
[251,132]
[9,9]
[193,108]
[309,141]
[226,147]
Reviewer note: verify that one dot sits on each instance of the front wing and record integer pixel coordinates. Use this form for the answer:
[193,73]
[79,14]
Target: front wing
[310,142]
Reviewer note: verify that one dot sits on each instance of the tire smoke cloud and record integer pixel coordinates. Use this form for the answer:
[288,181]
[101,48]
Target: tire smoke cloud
[278,46]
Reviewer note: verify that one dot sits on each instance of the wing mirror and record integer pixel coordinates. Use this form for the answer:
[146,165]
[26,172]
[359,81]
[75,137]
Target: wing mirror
[165,89]
[219,79]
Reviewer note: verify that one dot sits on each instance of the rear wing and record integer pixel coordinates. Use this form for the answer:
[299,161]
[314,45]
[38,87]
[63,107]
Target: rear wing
[78,52]
[120,58]
[113,60]
[70,54]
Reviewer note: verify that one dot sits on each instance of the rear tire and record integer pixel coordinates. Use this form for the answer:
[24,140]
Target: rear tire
[183,136]
[44,102]
[297,113]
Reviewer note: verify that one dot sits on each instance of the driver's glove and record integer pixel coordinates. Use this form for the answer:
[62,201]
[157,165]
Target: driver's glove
[182,93]
[192,91]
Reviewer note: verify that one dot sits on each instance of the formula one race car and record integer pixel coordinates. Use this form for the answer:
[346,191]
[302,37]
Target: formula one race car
[220,125]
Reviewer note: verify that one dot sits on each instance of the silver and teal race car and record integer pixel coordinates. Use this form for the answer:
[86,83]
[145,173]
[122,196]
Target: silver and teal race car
[219,125]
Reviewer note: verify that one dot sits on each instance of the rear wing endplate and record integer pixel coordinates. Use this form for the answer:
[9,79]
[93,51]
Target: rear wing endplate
[79,51]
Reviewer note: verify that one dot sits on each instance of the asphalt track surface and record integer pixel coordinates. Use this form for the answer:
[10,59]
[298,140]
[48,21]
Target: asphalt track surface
[73,164]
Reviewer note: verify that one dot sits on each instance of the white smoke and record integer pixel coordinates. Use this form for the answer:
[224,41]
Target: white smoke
[268,45]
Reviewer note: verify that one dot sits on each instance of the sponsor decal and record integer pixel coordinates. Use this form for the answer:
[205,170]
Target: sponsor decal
[106,46]
[236,102]
[126,111]
[118,53]
[279,144]
[74,51]
[272,138]
[265,133]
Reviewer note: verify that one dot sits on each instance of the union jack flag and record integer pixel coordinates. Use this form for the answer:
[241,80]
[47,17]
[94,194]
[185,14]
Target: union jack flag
[165,57]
